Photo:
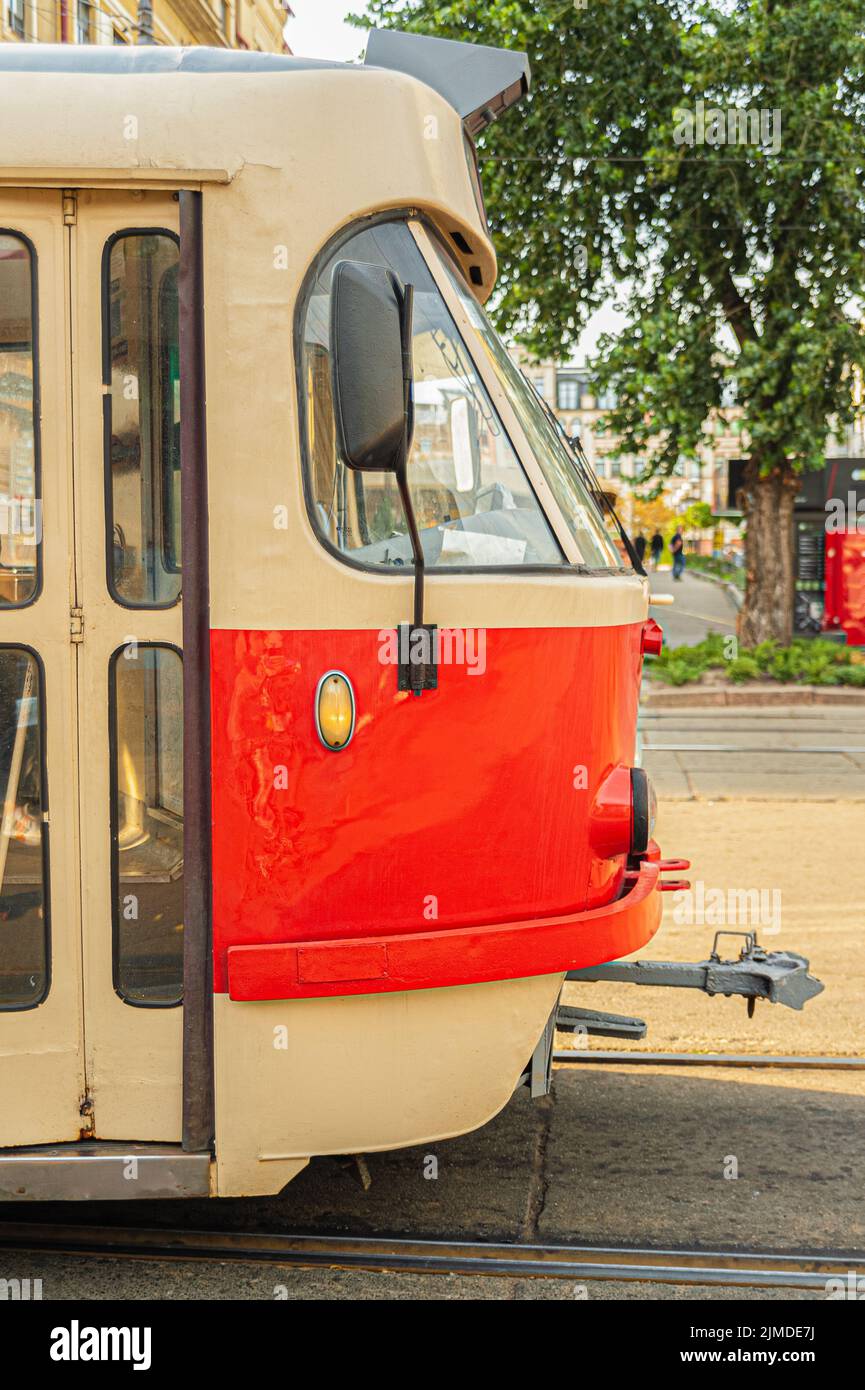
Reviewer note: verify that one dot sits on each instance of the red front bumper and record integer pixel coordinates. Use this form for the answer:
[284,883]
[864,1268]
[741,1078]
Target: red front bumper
[461,956]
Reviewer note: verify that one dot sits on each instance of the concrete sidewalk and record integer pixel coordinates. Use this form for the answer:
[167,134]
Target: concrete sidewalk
[769,769]
[700,608]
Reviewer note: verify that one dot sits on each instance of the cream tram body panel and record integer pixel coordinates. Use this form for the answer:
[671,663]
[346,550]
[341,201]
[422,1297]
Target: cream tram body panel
[357,1075]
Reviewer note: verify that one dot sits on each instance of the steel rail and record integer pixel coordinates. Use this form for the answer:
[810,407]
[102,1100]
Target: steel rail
[758,1268]
[749,748]
[570,1056]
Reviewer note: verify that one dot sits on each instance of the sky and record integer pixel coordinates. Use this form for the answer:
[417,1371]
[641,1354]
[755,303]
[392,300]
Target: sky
[318,30]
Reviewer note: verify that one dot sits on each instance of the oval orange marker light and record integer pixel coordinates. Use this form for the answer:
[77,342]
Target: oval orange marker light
[334,710]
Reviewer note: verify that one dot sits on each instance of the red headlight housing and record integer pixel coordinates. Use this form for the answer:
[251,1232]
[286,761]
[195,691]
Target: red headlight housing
[623,814]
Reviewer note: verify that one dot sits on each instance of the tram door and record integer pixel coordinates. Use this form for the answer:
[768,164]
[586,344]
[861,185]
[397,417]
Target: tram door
[91,866]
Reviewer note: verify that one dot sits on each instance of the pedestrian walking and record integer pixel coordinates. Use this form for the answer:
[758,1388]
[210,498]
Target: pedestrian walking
[677,550]
[656,545]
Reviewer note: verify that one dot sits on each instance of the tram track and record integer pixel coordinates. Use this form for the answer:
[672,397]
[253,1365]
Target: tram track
[564,1057]
[749,1268]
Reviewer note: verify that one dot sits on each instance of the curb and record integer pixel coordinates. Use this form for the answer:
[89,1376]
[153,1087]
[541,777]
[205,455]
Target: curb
[713,697]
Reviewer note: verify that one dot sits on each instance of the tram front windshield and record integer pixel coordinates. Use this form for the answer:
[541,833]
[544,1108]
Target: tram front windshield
[473,499]
[595,531]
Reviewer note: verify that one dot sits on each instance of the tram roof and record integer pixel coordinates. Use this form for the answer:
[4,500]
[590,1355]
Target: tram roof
[121,60]
[479,82]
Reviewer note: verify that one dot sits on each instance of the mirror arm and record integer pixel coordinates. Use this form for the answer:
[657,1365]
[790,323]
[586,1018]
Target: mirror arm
[413,675]
[402,469]
[417,549]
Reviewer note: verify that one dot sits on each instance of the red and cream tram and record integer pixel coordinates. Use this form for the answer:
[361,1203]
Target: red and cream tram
[316,753]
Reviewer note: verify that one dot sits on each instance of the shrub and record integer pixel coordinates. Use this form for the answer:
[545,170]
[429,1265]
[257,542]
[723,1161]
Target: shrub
[805,661]
[744,668]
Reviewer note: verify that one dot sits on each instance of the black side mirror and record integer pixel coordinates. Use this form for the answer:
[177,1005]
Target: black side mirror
[371,366]
[371,377]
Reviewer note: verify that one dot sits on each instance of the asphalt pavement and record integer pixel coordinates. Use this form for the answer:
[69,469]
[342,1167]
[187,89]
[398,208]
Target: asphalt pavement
[700,607]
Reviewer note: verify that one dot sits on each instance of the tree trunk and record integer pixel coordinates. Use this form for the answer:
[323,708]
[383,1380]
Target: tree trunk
[768,507]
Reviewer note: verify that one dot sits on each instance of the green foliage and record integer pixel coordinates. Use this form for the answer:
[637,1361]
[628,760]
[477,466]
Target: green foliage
[680,665]
[804,662]
[744,668]
[722,569]
[698,516]
[737,264]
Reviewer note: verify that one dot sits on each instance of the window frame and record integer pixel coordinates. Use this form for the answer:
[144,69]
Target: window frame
[113,821]
[37,411]
[567,381]
[402,217]
[16,14]
[83,30]
[45,830]
[122,234]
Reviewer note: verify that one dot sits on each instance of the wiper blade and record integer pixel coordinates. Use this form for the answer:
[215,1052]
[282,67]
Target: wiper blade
[586,473]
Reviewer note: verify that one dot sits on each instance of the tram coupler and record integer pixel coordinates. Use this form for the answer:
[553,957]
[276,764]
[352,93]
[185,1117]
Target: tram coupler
[780,976]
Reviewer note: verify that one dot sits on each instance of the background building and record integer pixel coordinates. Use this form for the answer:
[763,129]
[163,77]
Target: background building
[253,24]
[581,407]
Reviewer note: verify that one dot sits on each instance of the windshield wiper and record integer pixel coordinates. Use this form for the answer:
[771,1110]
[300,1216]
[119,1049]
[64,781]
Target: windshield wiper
[587,475]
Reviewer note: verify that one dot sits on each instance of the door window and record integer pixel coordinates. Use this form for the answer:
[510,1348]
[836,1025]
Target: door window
[20,505]
[23,846]
[146,701]
[141,369]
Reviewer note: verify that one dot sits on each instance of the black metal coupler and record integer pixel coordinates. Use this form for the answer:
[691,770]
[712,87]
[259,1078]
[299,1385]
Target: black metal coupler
[779,976]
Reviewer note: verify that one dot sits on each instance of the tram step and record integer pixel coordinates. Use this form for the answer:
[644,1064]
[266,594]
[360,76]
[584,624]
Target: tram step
[93,1170]
[571,1020]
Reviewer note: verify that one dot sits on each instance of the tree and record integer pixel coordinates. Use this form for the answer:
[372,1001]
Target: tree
[698,516]
[651,515]
[706,159]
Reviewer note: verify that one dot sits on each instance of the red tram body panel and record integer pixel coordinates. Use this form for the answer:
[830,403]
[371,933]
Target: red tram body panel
[412,829]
